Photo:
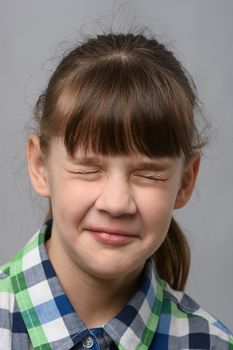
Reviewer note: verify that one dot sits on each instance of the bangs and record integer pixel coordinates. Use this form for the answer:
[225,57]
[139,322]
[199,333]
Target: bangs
[118,108]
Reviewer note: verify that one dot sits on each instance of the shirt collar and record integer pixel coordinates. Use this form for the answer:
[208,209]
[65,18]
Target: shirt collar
[49,317]
[135,326]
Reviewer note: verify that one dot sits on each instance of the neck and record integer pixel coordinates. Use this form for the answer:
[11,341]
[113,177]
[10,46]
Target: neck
[95,300]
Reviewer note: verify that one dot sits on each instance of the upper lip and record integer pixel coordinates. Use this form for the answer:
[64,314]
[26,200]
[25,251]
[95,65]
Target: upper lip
[111,231]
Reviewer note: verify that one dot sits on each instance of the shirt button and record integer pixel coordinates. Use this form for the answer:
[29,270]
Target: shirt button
[88,342]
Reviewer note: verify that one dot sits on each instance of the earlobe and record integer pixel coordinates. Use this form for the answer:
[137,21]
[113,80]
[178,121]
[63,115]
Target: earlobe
[188,181]
[37,166]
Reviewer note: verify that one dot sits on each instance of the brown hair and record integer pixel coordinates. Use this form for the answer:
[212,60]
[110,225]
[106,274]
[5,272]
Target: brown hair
[120,93]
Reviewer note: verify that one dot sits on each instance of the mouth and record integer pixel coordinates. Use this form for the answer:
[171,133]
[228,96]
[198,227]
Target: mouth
[111,236]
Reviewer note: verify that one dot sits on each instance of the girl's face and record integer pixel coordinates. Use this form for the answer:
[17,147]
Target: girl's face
[109,213]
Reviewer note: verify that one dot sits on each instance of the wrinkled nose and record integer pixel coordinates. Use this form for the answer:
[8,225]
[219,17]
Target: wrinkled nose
[116,198]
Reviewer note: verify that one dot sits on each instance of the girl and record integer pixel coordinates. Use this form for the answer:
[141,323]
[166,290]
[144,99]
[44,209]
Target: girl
[116,151]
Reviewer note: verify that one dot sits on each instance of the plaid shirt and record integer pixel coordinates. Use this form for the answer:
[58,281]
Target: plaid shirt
[35,312]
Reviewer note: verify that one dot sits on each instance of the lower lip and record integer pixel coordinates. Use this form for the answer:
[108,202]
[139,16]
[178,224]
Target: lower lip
[112,239]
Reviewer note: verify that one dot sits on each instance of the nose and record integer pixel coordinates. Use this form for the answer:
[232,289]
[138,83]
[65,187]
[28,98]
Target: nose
[116,198]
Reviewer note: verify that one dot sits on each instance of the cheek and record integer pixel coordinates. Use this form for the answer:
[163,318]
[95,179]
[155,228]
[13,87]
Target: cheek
[156,210]
[71,200]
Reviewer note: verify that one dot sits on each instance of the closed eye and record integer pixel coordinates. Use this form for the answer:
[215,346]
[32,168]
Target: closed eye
[154,178]
[84,172]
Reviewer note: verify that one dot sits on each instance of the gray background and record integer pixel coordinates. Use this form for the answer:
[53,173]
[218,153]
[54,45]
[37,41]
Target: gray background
[32,36]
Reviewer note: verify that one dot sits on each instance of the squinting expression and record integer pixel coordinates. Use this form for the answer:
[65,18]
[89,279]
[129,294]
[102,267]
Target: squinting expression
[110,213]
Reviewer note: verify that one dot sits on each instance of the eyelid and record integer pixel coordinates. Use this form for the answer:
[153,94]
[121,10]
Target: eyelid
[82,169]
[151,172]
[153,175]
[155,178]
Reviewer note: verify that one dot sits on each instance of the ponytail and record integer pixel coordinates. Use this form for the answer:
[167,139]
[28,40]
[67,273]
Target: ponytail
[172,259]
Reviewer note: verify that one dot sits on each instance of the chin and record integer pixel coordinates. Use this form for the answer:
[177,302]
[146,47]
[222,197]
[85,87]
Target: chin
[107,272]
[110,269]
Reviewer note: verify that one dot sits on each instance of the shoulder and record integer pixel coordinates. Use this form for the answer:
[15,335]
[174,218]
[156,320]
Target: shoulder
[189,322]
[12,271]
[6,291]
[5,283]
[7,302]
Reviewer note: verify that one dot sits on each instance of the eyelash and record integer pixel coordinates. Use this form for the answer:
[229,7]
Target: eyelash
[84,172]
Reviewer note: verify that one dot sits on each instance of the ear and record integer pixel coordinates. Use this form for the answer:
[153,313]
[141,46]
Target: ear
[188,181]
[37,166]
